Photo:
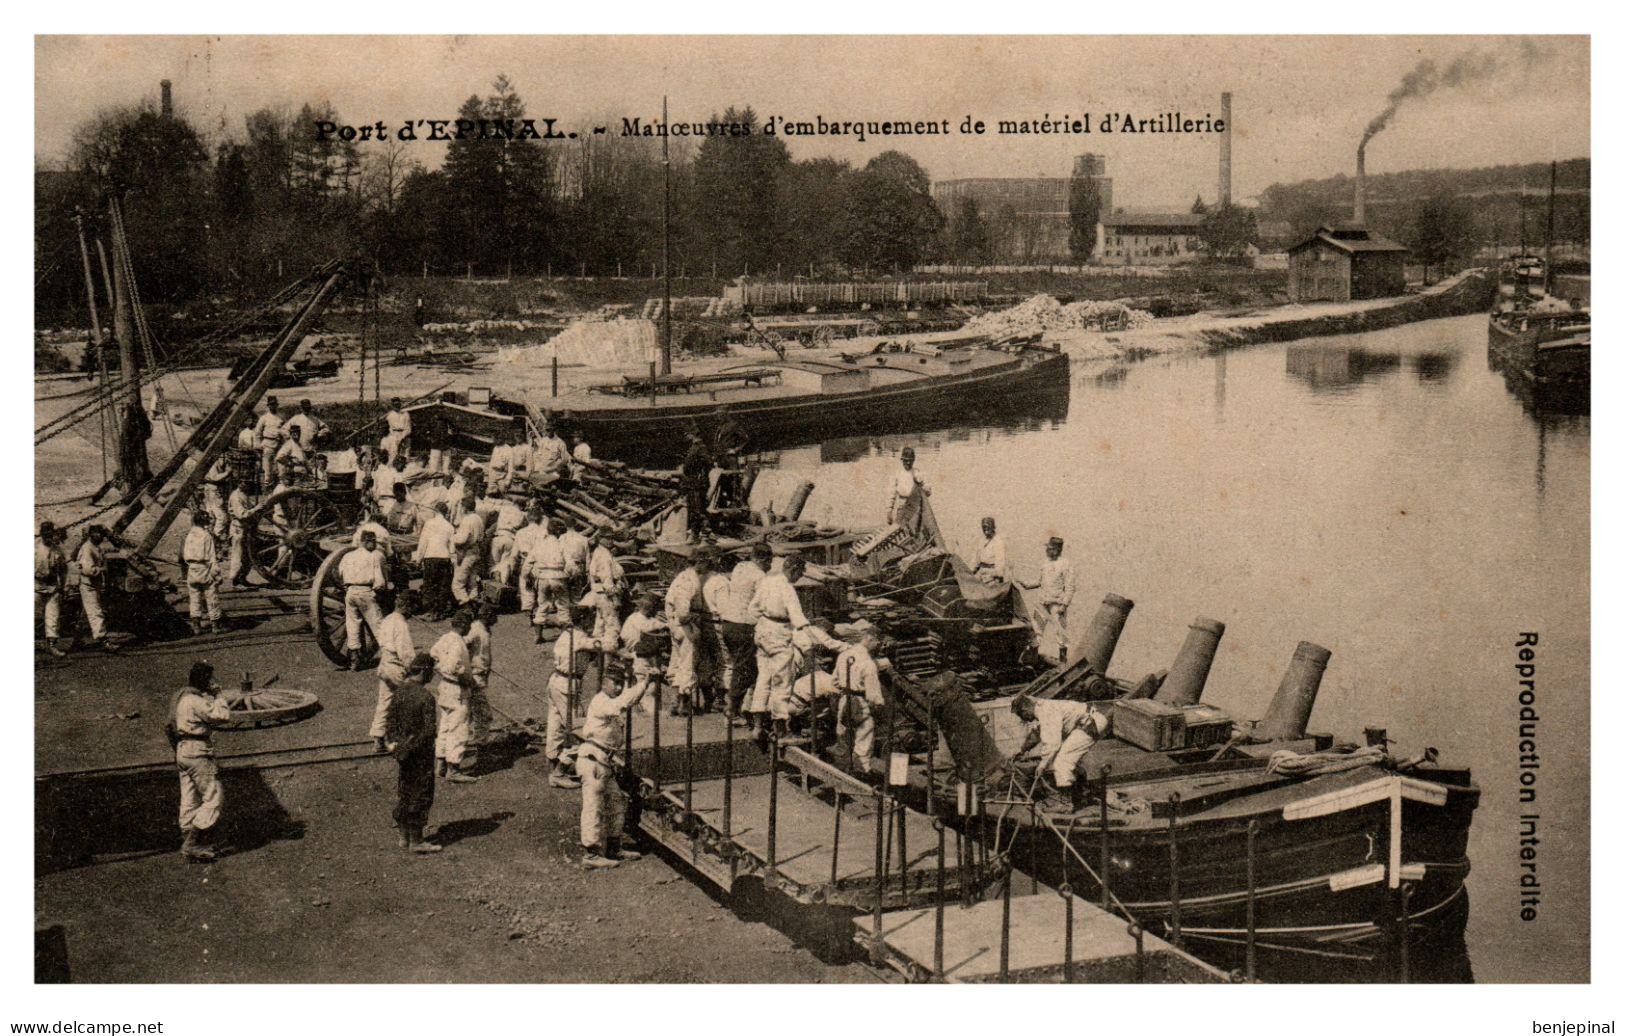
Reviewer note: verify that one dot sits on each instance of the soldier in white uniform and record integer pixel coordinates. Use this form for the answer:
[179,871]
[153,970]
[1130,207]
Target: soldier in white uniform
[311,428]
[739,634]
[50,582]
[362,571]
[238,507]
[570,652]
[479,671]
[778,616]
[857,674]
[195,712]
[92,561]
[606,584]
[991,565]
[510,519]
[688,619]
[469,543]
[201,567]
[1056,585]
[577,555]
[645,660]
[452,669]
[908,492]
[602,753]
[292,452]
[1062,731]
[395,654]
[524,542]
[268,437]
[545,563]
[399,423]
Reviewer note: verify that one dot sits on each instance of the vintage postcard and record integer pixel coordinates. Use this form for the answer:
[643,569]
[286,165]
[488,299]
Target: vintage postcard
[939,509]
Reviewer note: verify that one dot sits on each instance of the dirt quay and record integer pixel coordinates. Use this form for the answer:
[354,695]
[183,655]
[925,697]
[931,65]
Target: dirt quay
[316,889]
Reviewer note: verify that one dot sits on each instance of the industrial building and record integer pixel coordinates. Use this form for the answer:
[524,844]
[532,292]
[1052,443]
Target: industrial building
[1337,264]
[1036,206]
[1149,238]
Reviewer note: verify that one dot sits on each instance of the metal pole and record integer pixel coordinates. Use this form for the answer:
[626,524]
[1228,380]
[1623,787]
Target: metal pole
[1071,969]
[835,844]
[931,759]
[1105,842]
[902,849]
[1032,826]
[1004,927]
[880,867]
[772,805]
[654,391]
[727,781]
[1135,930]
[688,759]
[665,245]
[656,732]
[1173,869]
[1252,895]
[942,890]
[555,374]
[570,699]
[1403,934]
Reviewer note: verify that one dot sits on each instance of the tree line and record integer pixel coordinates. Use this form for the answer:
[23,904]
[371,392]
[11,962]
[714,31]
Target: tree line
[231,215]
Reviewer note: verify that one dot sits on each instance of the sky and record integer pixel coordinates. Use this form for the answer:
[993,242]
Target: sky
[1300,103]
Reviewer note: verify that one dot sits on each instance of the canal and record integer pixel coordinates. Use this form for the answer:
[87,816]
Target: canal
[1384,495]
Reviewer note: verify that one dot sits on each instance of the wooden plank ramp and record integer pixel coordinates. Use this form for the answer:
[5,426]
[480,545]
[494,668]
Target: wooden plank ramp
[1103,946]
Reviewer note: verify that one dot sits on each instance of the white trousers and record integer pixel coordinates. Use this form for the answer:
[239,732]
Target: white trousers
[859,717]
[202,797]
[53,614]
[451,737]
[90,598]
[360,605]
[603,805]
[1070,758]
[465,579]
[558,720]
[1049,625]
[389,678]
[552,602]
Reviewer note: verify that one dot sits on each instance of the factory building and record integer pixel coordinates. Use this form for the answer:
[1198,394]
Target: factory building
[1036,207]
[1149,238]
[1337,264]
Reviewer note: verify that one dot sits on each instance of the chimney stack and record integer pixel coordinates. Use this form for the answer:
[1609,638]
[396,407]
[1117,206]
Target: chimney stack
[166,103]
[1359,186]
[1224,150]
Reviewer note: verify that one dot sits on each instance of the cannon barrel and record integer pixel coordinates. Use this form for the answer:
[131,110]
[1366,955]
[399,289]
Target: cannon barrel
[1188,675]
[1100,639]
[1294,700]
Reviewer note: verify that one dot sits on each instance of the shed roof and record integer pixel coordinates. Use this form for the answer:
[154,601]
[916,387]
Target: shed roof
[1160,220]
[1350,239]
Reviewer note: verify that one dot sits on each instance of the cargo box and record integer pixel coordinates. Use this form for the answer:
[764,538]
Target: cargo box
[1206,725]
[1149,724]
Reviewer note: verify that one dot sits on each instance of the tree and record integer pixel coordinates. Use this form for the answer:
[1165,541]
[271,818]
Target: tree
[502,192]
[817,198]
[1083,210]
[738,221]
[891,219]
[1228,230]
[1199,207]
[967,232]
[1443,232]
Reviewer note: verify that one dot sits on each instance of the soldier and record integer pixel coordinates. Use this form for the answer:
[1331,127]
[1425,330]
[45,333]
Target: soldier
[292,452]
[1056,585]
[362,571]
[990,566]
[200,565]
[568,669]
[858,677]
[434,552]
[738,630]
[778,615]
[92,562]
[598,760]
[606,585]
[908,493]
[577,555]
[238,507]
[195,712]
[694,477]
[546,565]
[409,733]
[268,437]
[311,428]
[50,582]
[451,664]
[395,653]
[640,639]
[468,542]
[1062,731]
[689,621]
[524,541]
[399,422]
[479,671]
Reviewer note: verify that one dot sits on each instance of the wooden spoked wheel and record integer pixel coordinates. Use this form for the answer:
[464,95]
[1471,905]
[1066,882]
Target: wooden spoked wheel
[327,613]
[285,534]
[269,707]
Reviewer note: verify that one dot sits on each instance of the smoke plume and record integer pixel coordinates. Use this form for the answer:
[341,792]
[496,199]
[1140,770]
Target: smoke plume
[1466,70]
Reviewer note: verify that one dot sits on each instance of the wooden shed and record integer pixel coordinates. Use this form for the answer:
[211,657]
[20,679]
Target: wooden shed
[1337,264]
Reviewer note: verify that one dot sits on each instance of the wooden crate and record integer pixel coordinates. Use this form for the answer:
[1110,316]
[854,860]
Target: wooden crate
[1149,724]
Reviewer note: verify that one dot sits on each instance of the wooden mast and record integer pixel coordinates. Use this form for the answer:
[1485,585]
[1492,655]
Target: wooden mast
[1551,203]
[95,341]
[665,243]
[133,427]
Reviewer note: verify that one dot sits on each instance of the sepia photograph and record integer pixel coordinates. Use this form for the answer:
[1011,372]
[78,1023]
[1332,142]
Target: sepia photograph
[812,510]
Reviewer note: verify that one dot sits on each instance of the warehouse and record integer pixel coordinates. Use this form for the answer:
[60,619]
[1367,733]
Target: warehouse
[1338,264]
[1149,238]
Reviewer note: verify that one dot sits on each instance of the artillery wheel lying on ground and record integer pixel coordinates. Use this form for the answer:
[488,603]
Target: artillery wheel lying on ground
[327,612]
[268,707]
[287,551]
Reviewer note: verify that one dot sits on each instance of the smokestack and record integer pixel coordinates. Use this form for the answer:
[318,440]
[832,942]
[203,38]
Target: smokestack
[166,103]
[1224,150]
[1359,186]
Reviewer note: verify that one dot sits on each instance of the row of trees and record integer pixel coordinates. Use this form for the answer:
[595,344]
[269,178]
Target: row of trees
[273,199]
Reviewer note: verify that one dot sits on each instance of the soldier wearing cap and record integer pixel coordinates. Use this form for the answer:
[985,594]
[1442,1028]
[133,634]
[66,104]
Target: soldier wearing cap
[689,619]
[201,567]
[50,582]
[1056,584]
[908,493]
[641,637]
[195,712]
[778,612]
